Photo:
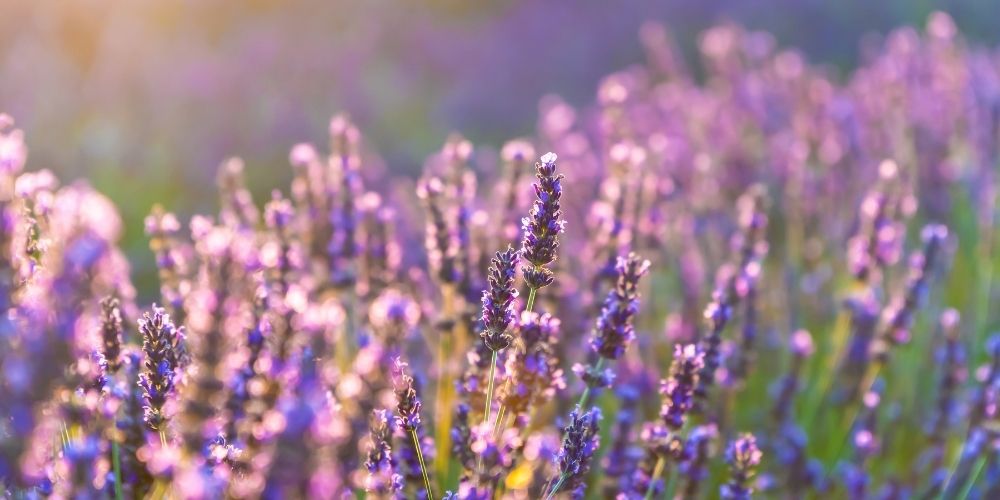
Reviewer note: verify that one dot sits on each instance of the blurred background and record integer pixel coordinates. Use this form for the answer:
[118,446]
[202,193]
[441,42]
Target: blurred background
[146,97]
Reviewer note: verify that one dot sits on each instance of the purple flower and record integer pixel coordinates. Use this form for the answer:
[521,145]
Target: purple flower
[900,313]
[695,467]
[498,301]
[743,457]
[678,390]
[407,401]
[159,340]
[801,347]
[442,248]
[533,369]
[544,223]
[379,463]
[614,330]
[461,437]
[580,442]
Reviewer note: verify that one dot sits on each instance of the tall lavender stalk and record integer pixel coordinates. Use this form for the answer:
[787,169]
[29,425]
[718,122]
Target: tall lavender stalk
[579,444]
[614,330]
[743,457]
[678,399]
[159,338]
[542,226]
[408,416]
[498,314]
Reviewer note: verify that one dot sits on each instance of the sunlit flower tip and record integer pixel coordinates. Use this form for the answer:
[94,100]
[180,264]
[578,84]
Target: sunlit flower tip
[407,401]
[517,151]
[394,309]
[13,151]
[498,300]
[278,213]
[802,344]
[543,224]
[302,155]
[934,233]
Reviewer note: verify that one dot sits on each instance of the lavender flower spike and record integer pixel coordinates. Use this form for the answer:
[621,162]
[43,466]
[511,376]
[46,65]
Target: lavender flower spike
[544,223]
[580,441]
[159,365]
[408,414]
[498,300]
[678,390]
[743,457]
[614,329]
[382,477]
[407,402]
[498,313]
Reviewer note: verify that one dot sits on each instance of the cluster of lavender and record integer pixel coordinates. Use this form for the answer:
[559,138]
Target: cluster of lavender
[309,348]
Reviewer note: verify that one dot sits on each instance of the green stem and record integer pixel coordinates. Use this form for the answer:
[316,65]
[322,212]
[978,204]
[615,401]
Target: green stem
[489,402]
[489,390]
[976,470]
[423,467]
[531,299]
[657,470]
[953,470]
[555,488]
[117,466]
[163,437]
[671,485]
[498,424]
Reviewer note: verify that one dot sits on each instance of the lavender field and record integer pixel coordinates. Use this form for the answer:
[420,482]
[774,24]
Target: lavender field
[745,275]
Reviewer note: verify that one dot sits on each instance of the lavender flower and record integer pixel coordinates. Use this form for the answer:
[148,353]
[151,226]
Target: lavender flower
[900,313]
[877,243]
[440,241]
[951,359]
[743,457]
[533,369]
[620,464]
[543,225]
[461,438]
[678,390]
[408,420]
[614,330]
[159,338]
[498,301]
[380,465]
[801,347]
[407,401]
[580,442]
[717,315]
[695,468]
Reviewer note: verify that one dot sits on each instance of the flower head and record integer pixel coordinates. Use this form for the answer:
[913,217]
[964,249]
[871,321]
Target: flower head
[580,442]
[159,337]
[678,390]
[407,400]
[544,223]
[743,457]
[614,329]
[498,300]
